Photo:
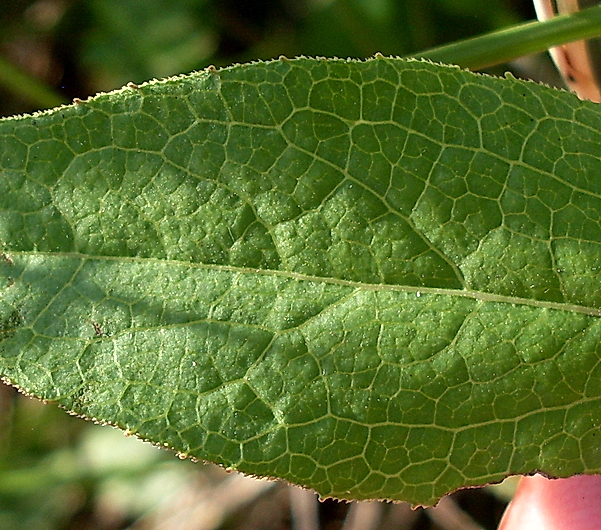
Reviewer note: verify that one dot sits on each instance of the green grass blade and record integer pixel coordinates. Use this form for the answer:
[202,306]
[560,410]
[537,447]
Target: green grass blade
[516,41]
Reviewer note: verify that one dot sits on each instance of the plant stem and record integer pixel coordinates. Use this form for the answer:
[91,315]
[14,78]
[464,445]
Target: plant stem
[513,42]
[26,87]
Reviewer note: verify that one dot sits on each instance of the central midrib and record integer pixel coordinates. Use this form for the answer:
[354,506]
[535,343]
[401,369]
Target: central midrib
[417,290]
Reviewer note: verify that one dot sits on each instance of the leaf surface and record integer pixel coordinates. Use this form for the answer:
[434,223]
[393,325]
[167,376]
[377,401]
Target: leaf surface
[377,279]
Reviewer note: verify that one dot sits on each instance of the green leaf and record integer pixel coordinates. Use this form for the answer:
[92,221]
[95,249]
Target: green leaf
[377,279]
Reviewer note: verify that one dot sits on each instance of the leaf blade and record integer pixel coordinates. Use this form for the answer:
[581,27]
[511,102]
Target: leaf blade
[365,299]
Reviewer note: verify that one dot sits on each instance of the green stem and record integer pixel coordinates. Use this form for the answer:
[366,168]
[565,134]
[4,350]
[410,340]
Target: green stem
[508,44]
[26,87]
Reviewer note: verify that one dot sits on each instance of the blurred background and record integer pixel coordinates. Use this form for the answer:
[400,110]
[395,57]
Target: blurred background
[59,472]
[75,48]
